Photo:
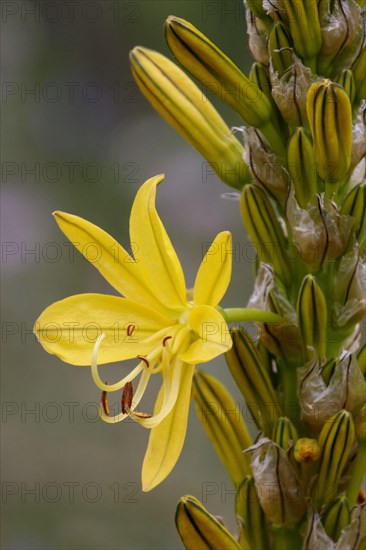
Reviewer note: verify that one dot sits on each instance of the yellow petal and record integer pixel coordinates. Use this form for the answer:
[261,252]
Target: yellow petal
[69,328]
[214,336]
[109,257]
[156,257]
[214,274]
[166,440]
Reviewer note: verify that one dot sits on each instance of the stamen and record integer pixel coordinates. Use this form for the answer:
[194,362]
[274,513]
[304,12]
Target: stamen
[130,329]
[104,402]
[166,339]
[141,415]
[127,396]
[142,358]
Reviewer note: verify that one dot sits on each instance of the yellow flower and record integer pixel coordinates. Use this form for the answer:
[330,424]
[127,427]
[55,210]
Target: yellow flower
[157,321]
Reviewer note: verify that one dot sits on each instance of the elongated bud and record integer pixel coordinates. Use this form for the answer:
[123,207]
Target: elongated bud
[312,317]
[354,205]
[358,70]
[280,47]
[330,118]
[346,80]
[305,28]
[260,76]
[284,433]
[301,166]
[336,516]
[253,380]
[361,359]
[199,529]
[335,440]
[251,515]
[306,450]
[223,423]
[264,229]
[206,62]
[256,7]
[172,93]
[283,503]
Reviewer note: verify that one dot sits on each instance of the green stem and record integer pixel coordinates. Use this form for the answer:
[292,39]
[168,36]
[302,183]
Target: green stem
[285,538]
[290,402]
[274,138]
[235,314]
[357,475]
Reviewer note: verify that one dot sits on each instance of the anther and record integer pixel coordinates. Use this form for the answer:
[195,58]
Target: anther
[127,395]
[166,339]
[130,330]
[142,358]
[104,402]
[141,415]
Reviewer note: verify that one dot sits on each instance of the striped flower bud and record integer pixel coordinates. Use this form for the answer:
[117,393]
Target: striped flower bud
[183,105]
[276,483]
[335,440]
[354,535]
[251,516]
[336,516]
[361,359]
[349,300]
[323,390]
[206,62]
[280,48]
[358,70]
[301,166]
[199,529]
[256,8]
[354,205]
[315,534]
[312,317]
[260,76]
[346,80]
[330,118]
[290,92]
[305,28]
[284,433]
[264,229]
[248,371]
[223,423]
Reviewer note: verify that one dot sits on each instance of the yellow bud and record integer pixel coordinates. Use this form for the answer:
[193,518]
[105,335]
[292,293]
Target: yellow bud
[330,118]
[305,28]
[307,450]
[312,317]
[173,94]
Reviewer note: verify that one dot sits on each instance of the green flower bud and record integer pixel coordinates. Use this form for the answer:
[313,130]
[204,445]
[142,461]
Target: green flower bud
[354,535]
[284,433]
[276,483]
[335,440]
[312,317]
[346,80]
[330,118]
[354,205]
[223,423]
[336,516]
[305,28]
[249,373]
[206,62]
[199,529]
[260,76]
[256,7]
[280,48]
[183,105]
[361,359]
[358,70]
[251,516]
[301,166]
[264,229]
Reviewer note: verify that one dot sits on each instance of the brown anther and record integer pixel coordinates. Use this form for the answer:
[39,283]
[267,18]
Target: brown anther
[361,497]
[142,358]
[127,396]
[141,415]
[130,330]
[166,339]
[104,402]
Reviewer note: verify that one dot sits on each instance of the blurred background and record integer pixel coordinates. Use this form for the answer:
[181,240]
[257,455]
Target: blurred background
[78,136]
